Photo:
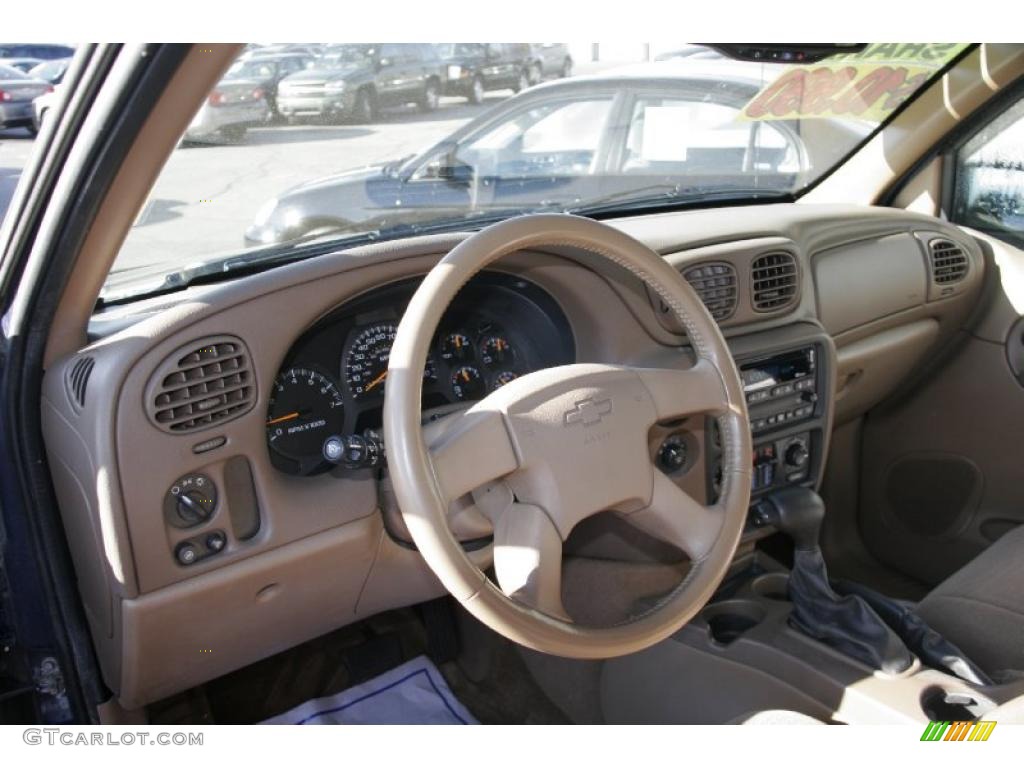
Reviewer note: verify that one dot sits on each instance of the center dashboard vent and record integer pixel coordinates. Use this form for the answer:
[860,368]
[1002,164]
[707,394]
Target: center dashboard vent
[948,260]
[715,283]
[774,281]
[208,382]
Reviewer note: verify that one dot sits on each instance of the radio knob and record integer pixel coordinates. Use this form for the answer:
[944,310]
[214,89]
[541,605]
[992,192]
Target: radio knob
[797,454]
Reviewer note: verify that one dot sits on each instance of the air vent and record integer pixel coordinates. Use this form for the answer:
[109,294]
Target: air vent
[78,379]
[773,281]
[716,285]
[949,262]
[206,383]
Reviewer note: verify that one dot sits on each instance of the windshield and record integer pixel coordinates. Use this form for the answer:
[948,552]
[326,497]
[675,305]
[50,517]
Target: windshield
[415,140]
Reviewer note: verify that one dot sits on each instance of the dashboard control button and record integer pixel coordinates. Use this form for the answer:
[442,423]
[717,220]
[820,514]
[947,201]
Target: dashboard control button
[186,553]
[190,501]
[797,454]
[216,541]
[672,454]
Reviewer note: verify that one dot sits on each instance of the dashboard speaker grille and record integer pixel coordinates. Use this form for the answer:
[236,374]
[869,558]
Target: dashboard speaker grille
[773,281]
[206,383]
[716,285]
[949,262]
[78,379]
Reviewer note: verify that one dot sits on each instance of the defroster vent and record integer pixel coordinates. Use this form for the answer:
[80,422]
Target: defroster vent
[774,281]
[78,379]
[206,383]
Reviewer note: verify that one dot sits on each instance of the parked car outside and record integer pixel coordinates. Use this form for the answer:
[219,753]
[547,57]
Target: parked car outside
[269,70]
[471,69]
[233,106]
[17,90]
[52,71]
[550,60]
[42,51]
[560,143]
[21,63]
[354,81]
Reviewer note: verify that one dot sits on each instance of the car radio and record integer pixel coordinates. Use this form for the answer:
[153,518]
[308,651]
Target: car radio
[781,389]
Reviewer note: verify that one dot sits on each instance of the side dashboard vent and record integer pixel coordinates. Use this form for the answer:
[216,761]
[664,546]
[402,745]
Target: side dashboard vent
[78,379]
[716,285]
[948,260]
[207,382]
[774,281]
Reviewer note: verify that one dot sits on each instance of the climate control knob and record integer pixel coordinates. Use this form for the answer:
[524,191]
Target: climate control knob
[797,454]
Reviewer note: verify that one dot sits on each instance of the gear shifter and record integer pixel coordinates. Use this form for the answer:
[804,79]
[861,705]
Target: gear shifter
[845,622]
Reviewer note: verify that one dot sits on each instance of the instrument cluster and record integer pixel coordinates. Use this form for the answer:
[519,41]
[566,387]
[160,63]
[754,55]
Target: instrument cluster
[334,380]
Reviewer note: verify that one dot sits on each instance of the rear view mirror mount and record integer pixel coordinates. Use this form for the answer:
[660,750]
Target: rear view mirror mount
[796,53]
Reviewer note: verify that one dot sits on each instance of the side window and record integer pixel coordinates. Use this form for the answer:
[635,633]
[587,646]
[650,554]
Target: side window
[676,135]
[989,190]
[560,138]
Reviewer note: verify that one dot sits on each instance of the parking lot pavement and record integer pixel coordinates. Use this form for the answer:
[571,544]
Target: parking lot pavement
[219,188]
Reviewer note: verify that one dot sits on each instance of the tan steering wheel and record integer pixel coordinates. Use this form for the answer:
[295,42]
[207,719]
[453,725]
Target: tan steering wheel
[556,446]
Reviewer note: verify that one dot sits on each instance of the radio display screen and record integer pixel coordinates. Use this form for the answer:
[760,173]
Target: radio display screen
[777,370]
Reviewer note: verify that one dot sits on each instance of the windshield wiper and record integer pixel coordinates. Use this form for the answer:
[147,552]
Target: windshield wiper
[675,196]
[251,262]
[672,197]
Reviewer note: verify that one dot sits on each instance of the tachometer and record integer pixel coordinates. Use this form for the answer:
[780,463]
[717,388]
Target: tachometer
[305,408]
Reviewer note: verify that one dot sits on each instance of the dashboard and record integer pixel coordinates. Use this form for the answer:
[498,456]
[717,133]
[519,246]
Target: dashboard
[228,392]
[333,380]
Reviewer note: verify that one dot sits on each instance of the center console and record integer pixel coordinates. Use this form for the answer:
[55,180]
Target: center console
[787,378]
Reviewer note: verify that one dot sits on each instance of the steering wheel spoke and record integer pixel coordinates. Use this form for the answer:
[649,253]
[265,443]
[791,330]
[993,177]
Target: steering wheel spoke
[469,450]
[675,517]
[528,559]
[681,392]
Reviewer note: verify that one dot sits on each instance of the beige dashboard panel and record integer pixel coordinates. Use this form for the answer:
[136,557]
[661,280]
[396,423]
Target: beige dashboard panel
[114,465]
[185,634]
[886,275]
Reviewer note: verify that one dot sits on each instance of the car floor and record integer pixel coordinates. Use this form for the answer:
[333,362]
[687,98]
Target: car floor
[501,691]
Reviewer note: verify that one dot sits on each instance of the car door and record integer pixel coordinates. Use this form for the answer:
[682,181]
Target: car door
[397,78]
[673,138]
[545,155]
[941,477]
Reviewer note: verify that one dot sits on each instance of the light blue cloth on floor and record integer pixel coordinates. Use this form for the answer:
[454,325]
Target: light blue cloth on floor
[413,694]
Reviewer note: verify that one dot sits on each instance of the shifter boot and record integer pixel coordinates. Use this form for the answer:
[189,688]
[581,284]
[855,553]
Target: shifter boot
[847,623]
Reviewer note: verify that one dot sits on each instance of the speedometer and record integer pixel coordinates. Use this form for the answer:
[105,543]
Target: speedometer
[305,409]
[366,361]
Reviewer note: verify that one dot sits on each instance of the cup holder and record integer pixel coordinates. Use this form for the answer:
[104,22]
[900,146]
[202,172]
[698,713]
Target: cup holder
[730,619]
[939,704]
[773,586]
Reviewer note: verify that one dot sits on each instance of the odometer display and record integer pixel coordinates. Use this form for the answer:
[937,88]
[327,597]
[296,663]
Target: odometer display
[305,408]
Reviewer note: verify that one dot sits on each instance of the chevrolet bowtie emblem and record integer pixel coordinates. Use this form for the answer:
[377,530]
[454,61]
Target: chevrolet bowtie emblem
[588,412]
